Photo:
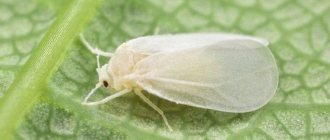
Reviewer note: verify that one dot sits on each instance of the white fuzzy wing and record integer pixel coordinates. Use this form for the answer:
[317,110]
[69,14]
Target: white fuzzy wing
[161,43]
[231,75]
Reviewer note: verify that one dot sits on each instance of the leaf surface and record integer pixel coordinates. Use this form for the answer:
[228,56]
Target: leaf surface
[299,36]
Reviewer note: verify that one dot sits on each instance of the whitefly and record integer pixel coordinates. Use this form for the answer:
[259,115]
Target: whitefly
[223,72]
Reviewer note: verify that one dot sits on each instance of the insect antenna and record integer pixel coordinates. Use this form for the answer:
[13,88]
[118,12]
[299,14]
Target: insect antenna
[93,49]
[107,99]
[91,93]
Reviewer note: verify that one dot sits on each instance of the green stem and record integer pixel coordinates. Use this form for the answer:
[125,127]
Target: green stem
[35,74]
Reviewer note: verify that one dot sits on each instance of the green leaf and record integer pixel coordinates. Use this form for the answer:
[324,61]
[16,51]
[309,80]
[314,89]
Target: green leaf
[298,32]
[34,75]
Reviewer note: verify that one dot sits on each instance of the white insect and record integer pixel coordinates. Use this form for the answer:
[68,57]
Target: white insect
[224,72]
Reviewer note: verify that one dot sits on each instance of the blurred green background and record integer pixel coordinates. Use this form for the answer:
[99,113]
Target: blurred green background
[297,29]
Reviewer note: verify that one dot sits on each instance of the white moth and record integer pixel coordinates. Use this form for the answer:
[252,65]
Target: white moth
[224,72]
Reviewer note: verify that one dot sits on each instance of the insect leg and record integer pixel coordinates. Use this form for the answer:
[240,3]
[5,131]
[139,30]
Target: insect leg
[152,105]
[94,50]
[113,96]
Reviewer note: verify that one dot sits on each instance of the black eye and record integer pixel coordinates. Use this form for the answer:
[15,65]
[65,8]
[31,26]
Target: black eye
[105,84]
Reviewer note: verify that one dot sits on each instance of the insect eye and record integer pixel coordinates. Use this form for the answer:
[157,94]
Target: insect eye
[105,84]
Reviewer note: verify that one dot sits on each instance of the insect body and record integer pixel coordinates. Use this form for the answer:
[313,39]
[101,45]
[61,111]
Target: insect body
[224,72]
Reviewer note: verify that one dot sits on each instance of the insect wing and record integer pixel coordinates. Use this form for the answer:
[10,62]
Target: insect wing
[164,43]
[231,75]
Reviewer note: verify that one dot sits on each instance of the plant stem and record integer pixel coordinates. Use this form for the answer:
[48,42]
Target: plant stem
[35,74]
